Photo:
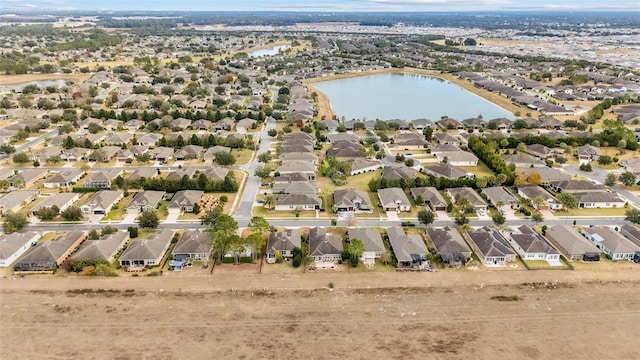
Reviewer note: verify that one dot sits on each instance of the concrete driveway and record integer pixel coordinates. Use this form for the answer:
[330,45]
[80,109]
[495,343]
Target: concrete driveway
[392,216]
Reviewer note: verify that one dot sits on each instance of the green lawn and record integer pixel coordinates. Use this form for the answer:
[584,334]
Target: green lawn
[480,171]
[118,212]
[593,212]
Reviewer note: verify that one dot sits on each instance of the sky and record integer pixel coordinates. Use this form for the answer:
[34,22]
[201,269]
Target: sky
[320,5]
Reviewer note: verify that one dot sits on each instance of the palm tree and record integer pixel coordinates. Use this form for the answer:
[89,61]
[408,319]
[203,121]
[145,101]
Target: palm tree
[269,201]
[538,201]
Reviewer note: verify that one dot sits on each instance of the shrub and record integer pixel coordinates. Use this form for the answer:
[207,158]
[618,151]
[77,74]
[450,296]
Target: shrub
[297,261]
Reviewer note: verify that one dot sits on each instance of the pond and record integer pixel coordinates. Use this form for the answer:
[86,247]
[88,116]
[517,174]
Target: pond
[39,83]
[405,96]
[273,50]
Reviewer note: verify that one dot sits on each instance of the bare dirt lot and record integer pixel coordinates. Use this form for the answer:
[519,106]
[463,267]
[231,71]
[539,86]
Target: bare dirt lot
[251,316]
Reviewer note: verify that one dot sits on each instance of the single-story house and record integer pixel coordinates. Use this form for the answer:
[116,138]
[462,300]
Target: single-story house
[448,171]
[323,247]
[588,153]
[394,199]
[102,178]
[145,200]
[361,166]
[102,201]
[61,200]
[523,161]
[184,201]
[533,246]
[283,242]
[431,196]
[491,247]
[457,158]
[631,232]
[26,178]
[410,250]
[612,243]
[64,178]
[571,244]
[450,245]
[48,255]
[195,245]
[474,199]
[532,192]
[12,246]
[146,252]
[15,200]
[105,248]
[351,200]
[500,194]
[293,201]
[398,172]
[372,241]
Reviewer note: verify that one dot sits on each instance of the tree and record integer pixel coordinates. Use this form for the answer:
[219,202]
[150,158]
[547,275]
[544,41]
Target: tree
[538,201]
[210,217]
[269,201]
[7,149]
[481,182]
[534,178]
[133,231]
[21,158]
[611,179]
[143,158]
[632,215]
[47,213]
[521,147]
[498,218]
[605,160]
[72,213]
[259,225]
[224,158]
[461,219]
[262,172]
[14,222]
[356,250]
[426,217]
[567,200]
[148,219]
[628,178]
[537,217]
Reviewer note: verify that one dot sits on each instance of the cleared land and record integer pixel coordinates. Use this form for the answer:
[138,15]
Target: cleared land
[239,315]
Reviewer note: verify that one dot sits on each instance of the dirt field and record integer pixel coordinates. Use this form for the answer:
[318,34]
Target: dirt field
[452,314]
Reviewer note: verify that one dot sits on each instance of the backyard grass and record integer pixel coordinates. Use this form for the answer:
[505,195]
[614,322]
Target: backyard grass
[118,212]
[541,264]
[482,170]
[242,155]
[592,212]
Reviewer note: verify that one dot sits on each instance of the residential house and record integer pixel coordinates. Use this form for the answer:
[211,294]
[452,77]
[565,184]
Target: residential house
[193,245]
[64,178]
[290,178]
[542,152]
[297,201]
[430,196]
[298,167]
[448,242]
[102,178]
[523,161]
[75,154]
[421,124]
[201,125]
[491,247]
[474,123]
[146,252]
[474,199]
[351,200]
[332,125]
[26,178]
[105,153]
[632,165]
[184,201]
[105,248]
[102,202]
[283,242]
[177,175]
[631,232]
[143,173]
[372,241]
[446,139]
[211,152]
[161,154]
[611,242]
[571,244]
[119,139]
[45,153]
[361,166]
[188,152]
[48,255]
[180,123]
[12,246]
[410,141]
[588,153]
[295,188]
[547,175]
[145,200]
[588,194]
[532,192]
[149,139]
[245,125]
[307,157]
[216,173]
[324,247]
[500,194]
[224,124]
[533,246]
[394,199]
[457,158]
[450,124]
[15,200]
[447,171]
[398,172]
[410,250]
[61,200]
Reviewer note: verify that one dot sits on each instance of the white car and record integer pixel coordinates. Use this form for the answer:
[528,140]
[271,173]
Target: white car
[481,212]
